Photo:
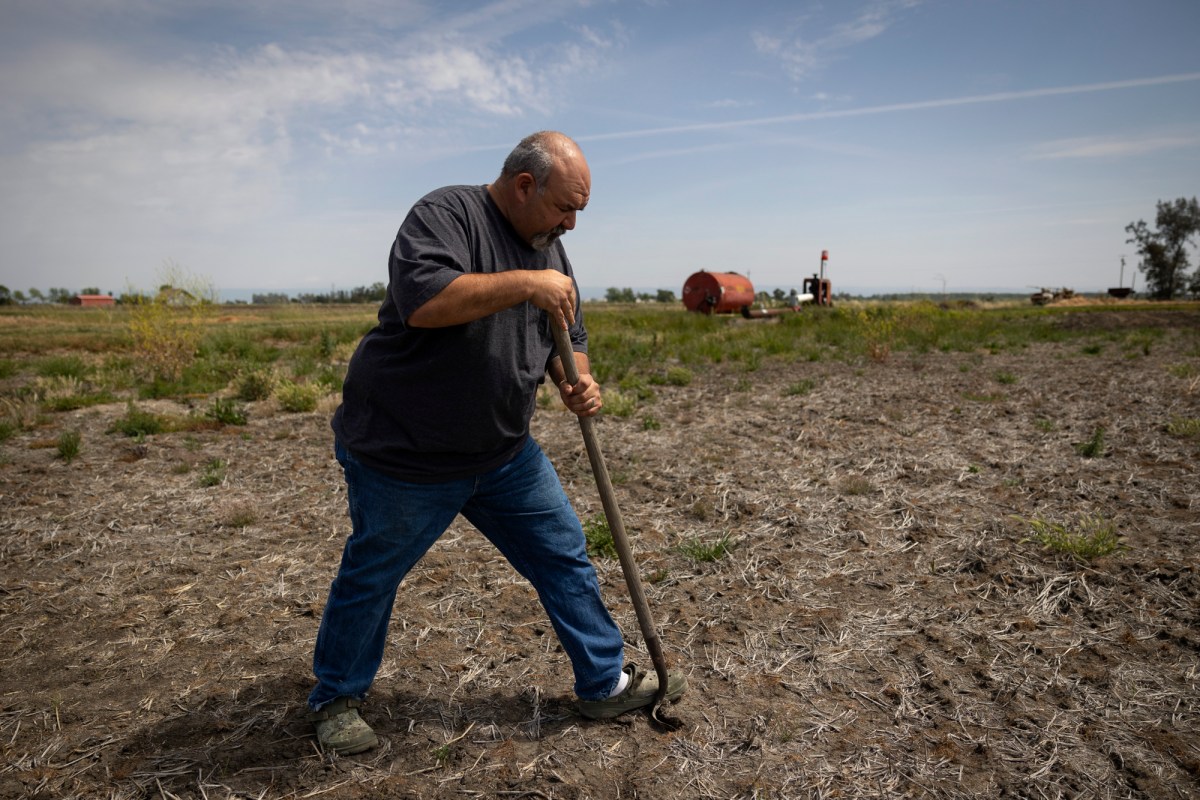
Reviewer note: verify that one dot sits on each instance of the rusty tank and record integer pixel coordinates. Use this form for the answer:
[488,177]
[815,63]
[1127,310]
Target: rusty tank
[717,292]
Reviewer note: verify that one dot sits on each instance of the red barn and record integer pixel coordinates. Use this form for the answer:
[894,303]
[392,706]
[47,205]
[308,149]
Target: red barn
[93,300]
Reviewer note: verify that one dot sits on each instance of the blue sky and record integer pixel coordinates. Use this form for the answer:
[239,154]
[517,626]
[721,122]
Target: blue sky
[964,144]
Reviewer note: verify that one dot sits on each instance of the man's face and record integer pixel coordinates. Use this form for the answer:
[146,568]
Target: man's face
[548,214]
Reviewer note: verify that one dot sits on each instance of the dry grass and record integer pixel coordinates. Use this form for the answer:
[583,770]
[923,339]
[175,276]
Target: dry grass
[879,629]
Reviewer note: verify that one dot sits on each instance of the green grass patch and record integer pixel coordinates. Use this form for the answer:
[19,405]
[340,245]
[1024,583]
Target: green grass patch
[599,538]
[799,388]
[69,445]
[1184,426]
[226,411]
[137,423]
[704,551]
[213,473]
[1087,538]
[1093,447]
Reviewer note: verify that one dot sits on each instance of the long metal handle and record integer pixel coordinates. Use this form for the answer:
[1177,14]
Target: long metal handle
[616,526]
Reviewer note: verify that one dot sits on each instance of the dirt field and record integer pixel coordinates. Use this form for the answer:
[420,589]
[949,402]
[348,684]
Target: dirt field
[881,627]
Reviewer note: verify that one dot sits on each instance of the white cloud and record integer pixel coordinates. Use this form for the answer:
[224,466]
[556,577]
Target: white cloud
[802,57]
[1112,146]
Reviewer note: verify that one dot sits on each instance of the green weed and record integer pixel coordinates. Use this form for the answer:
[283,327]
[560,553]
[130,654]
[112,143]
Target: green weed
[1094,446]
[1184,426]
[703,552]
[599,538]
[138,423]
[226,411]
[68,445]
[1090,537]
[213,474]
[799,388]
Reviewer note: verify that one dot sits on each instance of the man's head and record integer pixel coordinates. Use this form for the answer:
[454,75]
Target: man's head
[544,182]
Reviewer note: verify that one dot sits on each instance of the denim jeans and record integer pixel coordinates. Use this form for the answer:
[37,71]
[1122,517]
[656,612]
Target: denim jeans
[520,507]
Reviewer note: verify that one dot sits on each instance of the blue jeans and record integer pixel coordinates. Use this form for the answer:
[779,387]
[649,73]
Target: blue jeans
[520,507]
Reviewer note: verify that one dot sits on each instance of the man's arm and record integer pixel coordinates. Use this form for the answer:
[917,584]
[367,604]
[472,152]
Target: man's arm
[474,295]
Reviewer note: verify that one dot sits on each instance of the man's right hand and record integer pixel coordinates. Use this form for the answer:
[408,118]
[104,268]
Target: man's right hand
[554,292]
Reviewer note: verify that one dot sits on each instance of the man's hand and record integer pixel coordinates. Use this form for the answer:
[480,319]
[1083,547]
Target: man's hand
[554,292]
[582,399]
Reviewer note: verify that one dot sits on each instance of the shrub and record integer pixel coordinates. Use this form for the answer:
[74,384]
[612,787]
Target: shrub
[256,384]
[679,376]
[166,327]
[297,397]
[226,411]
[138,423]
[619,404]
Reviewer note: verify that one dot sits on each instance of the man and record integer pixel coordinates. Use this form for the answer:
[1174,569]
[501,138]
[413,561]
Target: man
[434,422]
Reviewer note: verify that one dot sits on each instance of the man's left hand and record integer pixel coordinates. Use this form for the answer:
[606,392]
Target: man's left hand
[582,399]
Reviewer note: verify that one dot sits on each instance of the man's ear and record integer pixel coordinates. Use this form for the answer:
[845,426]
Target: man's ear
[525,186]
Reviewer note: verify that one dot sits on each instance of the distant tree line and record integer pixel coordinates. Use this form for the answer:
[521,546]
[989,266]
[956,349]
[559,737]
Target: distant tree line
[57,295]
[360,294]
[1164,249]
[615,295]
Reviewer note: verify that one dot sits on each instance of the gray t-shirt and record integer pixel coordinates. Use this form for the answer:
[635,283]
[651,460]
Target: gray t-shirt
[435,404]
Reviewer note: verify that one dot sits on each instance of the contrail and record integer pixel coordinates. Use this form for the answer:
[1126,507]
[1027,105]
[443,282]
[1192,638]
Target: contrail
[997,97]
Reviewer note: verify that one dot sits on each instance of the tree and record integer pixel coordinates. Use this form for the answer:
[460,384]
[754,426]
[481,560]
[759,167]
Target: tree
[1164,250]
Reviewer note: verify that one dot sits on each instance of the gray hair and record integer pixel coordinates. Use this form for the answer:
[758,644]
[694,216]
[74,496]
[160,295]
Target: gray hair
[532,155]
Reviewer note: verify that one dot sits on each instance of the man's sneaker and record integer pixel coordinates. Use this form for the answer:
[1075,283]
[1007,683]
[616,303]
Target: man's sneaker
[341,730]
[640,692]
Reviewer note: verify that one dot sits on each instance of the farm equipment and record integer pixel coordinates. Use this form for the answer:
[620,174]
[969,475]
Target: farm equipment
[1044,296]
[730,292]
[1122,291]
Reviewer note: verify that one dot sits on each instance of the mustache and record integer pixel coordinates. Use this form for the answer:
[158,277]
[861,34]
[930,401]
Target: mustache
[541,241]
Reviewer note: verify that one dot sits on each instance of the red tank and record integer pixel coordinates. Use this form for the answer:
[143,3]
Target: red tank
[717,292]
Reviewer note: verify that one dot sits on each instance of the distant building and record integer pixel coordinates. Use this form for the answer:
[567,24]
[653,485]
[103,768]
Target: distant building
[93,300]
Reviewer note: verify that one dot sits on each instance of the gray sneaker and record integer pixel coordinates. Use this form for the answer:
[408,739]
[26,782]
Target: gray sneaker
[640,692]
[340,729]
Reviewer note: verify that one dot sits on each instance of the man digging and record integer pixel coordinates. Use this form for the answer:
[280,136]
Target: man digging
[434,422]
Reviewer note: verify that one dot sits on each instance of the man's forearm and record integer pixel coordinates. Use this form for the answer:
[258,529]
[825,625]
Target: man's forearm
[473,296]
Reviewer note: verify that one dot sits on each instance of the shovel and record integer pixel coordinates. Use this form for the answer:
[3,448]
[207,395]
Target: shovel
[612,513]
